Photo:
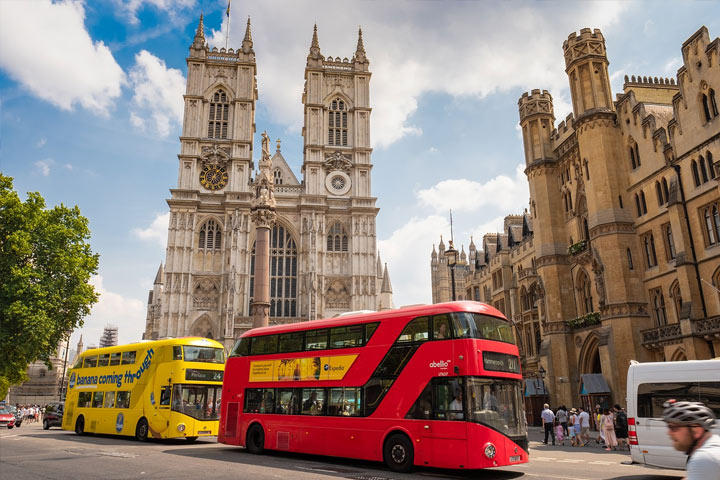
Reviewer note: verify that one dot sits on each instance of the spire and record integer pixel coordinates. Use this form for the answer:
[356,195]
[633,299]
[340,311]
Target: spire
[360,50]
[158,277]
[314,45]
[472,244]
[386,286]
[247,44]
[434,253]
[379,266]
[441,246]
[199,41]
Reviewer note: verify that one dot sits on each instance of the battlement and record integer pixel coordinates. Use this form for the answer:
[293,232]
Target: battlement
[655,81]
[585,35]
[586,44]
[536,102]
[563,127]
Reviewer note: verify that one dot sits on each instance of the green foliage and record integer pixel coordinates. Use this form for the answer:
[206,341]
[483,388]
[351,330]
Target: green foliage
[577,247]
[584,320]
[45,266]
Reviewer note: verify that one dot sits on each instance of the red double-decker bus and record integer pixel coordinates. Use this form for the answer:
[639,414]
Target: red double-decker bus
[436,385]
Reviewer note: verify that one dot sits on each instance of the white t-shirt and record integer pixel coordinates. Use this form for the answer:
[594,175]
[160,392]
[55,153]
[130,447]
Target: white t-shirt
[704,463]
[547,415]
[584,420]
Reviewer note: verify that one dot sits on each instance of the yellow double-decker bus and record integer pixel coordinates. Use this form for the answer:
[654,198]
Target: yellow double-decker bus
[161,389]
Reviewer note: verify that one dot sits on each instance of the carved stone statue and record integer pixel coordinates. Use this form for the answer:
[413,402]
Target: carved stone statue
[265,145]
[599,269]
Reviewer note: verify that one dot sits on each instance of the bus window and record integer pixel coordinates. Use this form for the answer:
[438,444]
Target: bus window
[316,339]
[463,326]
[201,402]
[123,400]
[97,400]
[291,342]
[90,362]
[242,347]
[497,403]
[422,408]
[344,402]
[165,395]
[204,354]
[288,402]
[341,337]
[177,352]
[395,361]
[447,399]
[78,363]
[476,325]
[260,400]
[375,390]
[441,327]
[104,360]
[115,358]
[651,396]
[262,345]
[128,358]
[109,400]
[369,330]
[415,331]
[313,401]
[84,399]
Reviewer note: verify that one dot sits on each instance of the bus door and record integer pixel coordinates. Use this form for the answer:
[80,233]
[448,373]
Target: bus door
[444,434]
[160,408]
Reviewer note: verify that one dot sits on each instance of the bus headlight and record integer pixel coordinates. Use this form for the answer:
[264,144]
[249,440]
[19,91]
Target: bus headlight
[181,427]
[490,450]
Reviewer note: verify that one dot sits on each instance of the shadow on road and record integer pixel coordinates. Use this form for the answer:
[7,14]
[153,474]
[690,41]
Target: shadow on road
[110,440]
[647,477]
[340,467]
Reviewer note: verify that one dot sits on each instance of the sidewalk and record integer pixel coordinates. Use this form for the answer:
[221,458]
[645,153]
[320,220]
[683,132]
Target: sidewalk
[537,434]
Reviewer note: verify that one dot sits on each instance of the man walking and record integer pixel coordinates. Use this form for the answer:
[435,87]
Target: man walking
[562,417]
[689,425]
[548,417]
[621,427]
[584,427]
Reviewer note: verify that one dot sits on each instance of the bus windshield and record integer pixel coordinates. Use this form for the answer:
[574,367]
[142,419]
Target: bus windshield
[496,403]
[198,401]
[477,325]
[203,354]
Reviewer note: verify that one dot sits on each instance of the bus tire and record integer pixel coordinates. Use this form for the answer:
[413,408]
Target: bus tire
[80,425]
[398,453]
[46,425]
[141,430]
[255,439]
[191,439]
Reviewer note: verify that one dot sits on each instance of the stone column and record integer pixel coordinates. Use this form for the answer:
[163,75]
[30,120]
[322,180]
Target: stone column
[262,213]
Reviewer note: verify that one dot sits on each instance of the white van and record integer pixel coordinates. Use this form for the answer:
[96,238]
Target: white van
[649,385]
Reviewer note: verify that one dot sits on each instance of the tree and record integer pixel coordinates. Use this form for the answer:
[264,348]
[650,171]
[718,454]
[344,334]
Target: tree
[45,266]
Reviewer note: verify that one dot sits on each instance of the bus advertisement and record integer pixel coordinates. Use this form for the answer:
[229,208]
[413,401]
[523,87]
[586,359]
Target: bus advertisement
[161,389]
[436,385]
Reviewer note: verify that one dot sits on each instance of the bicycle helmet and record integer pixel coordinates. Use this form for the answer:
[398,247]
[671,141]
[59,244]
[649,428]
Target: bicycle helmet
[688,413]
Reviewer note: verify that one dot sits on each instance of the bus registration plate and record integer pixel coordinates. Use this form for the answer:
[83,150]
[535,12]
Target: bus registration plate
[515,458]
[201,432]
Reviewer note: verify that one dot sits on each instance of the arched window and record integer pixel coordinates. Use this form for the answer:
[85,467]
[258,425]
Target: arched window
[586,230]
[713,103]
[210,236]
[659,308]
[669,241]
[638,207]
[219,114]
[637,154]
[676,298]
[277,177]
[703,170]
[659,192]
[633,162]
[706,108]
[642,200]
[710,229]
[696,175]
[630,260]
[283,273]
[338,123]
[586,301]
[666,191]
[649,246]
[587,170]
[711,168]
[337,238]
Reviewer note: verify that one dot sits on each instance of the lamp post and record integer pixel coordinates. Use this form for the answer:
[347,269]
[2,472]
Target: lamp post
[451,255]
[540,375]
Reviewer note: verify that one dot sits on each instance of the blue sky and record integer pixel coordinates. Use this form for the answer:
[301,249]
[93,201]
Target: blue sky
[91,108]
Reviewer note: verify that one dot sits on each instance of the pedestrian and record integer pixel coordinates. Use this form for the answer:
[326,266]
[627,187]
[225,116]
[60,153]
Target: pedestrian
[584,418]
[621,427]
[562,418]
[548,417]
[597,416]
[607,424]
[689,425]
[574,428]
[559,433]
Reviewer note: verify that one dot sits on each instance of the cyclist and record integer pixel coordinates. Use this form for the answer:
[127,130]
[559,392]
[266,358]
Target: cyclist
[689,425]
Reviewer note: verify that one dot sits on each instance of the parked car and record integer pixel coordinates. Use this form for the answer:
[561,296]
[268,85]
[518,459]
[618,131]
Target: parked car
[17,413]
[53,415]
[7,418]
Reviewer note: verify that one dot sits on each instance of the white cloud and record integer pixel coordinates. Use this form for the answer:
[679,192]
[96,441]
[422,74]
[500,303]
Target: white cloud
[158,93]
[462,48]
[44,166]
[130,8]
[157,231]
[68,167]
[41,143]
[113,309]
[672,65]
[46,48]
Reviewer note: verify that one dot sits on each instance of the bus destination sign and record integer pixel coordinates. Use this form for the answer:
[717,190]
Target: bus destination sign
[501,362]
[203,375]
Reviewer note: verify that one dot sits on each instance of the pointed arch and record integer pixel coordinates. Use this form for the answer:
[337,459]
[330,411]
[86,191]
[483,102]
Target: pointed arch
[584,288]
[589,360]
[337,238]
[219,114]
[203,327]
[338,107]
[210,234]
[524,304]
[695,173]
[676,298]
[679,355]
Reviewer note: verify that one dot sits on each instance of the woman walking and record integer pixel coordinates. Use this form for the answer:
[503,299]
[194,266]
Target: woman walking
[607,426]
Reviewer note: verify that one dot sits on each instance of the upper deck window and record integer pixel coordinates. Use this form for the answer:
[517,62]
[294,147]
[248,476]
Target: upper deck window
[477,325]
[203,354]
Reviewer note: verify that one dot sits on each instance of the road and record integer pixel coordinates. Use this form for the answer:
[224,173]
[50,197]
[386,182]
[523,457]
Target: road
[30,452]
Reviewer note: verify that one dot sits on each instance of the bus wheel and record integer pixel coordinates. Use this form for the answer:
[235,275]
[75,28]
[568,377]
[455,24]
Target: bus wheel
[398,453]
[255,439]
[80,426]
[141,431]
[46,425]
[191,439]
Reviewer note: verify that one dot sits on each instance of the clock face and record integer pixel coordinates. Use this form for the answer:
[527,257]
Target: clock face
[213,177]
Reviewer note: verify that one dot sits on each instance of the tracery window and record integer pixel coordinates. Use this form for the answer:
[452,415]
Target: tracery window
[649,245]
[210,236]
[711,219]
[586,301]
[709,105]
[219,114]
[658,302]
[277,176]
[676,298]
[338,123]
[283,273]
[337,238]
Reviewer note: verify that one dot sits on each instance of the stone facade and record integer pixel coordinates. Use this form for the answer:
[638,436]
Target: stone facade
[45,382]
[323,245]
[618,258]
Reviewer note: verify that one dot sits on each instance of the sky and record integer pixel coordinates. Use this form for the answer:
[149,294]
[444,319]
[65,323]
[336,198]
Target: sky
[91,110]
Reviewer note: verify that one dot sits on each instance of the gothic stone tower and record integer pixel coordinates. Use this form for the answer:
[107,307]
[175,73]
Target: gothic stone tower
[323,258]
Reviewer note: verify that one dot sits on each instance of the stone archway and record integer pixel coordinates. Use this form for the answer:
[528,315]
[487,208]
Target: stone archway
[203,327]
[678,355]
[589,361]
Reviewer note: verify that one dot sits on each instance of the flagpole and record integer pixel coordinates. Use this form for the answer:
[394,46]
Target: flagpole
[227,33]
